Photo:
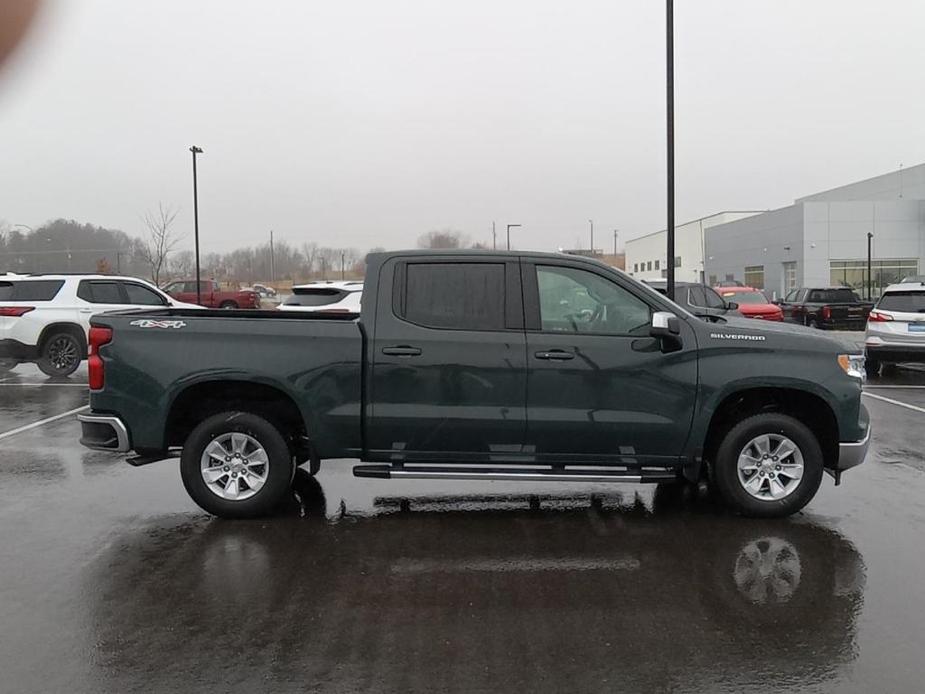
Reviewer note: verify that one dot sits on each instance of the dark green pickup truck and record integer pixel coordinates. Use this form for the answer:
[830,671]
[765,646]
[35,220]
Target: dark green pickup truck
[479,365]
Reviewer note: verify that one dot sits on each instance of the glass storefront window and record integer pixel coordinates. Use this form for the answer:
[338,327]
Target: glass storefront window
[853,273]
[754,276]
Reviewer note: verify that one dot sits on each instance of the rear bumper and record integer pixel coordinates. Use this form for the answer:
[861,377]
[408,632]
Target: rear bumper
[886,350]
[14,349]
[104,433]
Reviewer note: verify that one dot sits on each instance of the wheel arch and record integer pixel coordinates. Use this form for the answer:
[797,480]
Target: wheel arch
[806,406]
[198,401]
[57,327]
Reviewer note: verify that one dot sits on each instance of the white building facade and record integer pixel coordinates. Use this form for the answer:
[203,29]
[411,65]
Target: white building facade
[821,240]
[645,255]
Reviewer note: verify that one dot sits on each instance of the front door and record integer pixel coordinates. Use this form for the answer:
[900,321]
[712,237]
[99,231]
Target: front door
[448,377]
[599,389]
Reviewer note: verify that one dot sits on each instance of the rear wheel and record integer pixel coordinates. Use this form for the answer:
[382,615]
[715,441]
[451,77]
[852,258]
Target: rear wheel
[229,305]
[60,355]
[872,367]
[236,465]
[768,465]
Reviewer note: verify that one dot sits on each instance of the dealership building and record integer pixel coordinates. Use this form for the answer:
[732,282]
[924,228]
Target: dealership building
[821,239]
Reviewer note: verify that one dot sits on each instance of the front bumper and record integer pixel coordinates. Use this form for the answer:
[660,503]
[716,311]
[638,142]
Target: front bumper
[104,433]
[852,453]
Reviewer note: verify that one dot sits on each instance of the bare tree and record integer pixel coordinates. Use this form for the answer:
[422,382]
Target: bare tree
[161,239]
[442,238]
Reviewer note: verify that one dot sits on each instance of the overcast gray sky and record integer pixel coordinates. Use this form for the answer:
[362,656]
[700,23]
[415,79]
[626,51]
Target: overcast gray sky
[367,123]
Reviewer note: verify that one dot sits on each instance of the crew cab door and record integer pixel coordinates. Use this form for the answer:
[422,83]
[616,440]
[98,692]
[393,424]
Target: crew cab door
[448,370]
[598,387]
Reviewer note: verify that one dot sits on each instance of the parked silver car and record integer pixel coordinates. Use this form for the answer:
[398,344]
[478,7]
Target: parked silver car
[896,327]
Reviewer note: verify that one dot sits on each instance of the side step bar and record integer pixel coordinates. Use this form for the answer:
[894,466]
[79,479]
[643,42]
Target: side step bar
[522,474]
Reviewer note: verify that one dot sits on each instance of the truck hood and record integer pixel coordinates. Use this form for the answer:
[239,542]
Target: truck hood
[784,335]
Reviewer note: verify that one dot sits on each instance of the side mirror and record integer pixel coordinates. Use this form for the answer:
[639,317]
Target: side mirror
[665,324]
[732,305]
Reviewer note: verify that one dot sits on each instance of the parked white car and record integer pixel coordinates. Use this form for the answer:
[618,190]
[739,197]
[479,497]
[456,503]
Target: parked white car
[46,318]
[896,327]
[325,297]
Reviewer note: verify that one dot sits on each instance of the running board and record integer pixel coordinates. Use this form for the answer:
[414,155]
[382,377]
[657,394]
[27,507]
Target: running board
[525,474]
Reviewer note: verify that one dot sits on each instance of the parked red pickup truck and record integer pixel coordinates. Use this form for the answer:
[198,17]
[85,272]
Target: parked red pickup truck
[212,295]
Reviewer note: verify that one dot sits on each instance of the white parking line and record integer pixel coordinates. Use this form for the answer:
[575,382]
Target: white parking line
[43,385]
[868,386]
[895,402]
[41,422]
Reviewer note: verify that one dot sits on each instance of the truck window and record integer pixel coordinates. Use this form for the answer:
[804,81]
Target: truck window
[695,297]
[578,301]
[713,299]
[833,296]
[461,296]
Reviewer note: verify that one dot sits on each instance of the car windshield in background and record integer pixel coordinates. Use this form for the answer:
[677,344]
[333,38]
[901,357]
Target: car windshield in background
[311,296]
[30,290]
[833,296]
[903,302]
[746,297]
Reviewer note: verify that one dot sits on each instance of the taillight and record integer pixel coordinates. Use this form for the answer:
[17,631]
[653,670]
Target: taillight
[877,317]
[98,337]
[15,311]
[826,312]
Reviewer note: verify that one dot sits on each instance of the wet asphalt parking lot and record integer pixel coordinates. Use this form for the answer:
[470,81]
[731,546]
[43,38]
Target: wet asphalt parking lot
[112,580]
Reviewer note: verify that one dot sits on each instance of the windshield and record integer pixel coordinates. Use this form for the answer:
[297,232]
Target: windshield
[745,297]
[903,302]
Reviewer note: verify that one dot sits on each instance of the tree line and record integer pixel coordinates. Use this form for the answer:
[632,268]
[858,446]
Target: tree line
[66,245]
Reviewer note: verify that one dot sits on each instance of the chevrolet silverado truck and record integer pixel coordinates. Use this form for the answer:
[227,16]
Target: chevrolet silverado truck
[834,307]
[479,366]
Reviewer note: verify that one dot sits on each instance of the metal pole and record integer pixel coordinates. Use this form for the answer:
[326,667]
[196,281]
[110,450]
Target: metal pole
[509,227]
[342,275]
[196,150]
[494,238]
[669,94]
[592,236]
[869,282]
[615,241]
[272,259]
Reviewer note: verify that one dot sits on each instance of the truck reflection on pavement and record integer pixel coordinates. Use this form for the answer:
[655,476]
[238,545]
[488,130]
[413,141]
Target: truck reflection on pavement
[480,592]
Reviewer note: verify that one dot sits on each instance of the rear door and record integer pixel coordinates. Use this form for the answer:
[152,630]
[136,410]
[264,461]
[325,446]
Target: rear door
[448,372]
[599,389]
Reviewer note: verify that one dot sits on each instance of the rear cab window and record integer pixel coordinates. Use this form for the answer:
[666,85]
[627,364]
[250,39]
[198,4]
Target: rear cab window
[29,290]
[833,296]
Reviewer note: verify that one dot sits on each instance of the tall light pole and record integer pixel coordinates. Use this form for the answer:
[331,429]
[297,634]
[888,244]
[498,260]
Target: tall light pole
[196,150]
[669,102]
[869,282]
[615,232]
[272,259]
[592,236]
[509,234]
[494,238]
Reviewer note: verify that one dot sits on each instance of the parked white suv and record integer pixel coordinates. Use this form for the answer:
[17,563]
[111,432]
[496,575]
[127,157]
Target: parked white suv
[325,297]
[896,327]
[46,318]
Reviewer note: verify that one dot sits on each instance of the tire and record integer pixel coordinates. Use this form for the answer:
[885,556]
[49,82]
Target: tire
[229,305]
[60,356]
[230,495]
[8,365]
[872,367]
[773,477]
[813,324]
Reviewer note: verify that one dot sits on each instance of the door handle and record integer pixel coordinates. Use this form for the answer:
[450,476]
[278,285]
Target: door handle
[402,351]
[555,354]
[86,310]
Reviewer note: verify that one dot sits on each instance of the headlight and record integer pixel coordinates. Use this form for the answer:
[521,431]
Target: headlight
[853,365]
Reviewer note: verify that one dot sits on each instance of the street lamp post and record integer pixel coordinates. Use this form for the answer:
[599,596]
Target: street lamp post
[509,234]
[196,150]
[669,100]
[592,236]
[869,282]
[615,232]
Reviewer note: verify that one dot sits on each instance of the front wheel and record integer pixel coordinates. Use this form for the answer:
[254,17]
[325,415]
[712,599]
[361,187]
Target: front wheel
[236,465]
[769,465]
